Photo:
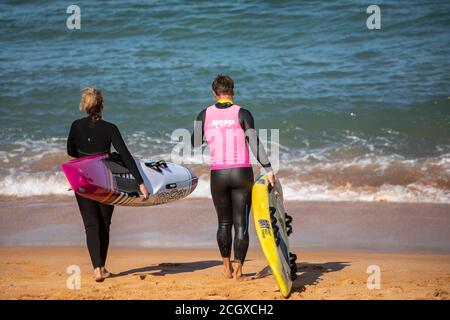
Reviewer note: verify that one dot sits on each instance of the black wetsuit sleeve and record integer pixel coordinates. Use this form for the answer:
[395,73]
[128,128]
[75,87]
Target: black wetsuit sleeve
[71,147]
[198,133]
[248,125]
[125,155]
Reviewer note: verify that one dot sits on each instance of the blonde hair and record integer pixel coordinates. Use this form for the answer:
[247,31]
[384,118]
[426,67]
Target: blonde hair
[92,102]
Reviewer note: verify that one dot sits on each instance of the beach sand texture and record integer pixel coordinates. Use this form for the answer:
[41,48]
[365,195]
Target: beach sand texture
[40,273]
[169,252]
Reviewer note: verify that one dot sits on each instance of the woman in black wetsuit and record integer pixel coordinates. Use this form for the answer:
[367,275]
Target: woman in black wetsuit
[229,130]
[88,136]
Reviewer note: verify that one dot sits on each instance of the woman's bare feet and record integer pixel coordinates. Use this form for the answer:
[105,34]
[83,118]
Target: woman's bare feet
[98,275]
[106,273]
[228,268]
[238,275]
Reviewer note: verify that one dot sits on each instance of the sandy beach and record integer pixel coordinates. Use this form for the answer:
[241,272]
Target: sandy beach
[40,273]
[350,102]
[169,252]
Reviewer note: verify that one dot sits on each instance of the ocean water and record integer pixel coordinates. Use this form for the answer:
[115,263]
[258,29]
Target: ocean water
[363,114]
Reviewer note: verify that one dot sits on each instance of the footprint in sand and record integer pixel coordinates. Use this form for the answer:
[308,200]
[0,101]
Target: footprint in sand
[396,289]
[439,294]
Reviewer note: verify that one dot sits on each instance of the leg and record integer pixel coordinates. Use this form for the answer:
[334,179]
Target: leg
[222,203]
[228,268]
[90,212]
[106,214]
[241,201]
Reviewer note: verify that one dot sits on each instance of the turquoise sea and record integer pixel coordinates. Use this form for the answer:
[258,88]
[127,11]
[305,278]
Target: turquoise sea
[363,114]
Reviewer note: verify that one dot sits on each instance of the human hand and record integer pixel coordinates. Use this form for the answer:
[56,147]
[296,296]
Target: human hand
[144,191]
[271,178]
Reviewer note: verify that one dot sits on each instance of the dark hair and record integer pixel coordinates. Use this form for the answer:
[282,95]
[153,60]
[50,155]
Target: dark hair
[223,84]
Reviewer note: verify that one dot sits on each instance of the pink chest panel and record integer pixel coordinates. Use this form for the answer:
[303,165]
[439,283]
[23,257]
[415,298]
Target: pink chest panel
[226,138]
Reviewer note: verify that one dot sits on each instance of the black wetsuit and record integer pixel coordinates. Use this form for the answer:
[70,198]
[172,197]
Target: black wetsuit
[87,137]
[231,189]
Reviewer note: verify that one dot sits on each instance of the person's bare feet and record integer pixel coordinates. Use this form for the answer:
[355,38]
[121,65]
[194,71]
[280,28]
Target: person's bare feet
[228,274]
[98,275]
[243,278]
[106,273]
[238,275]
[227,268]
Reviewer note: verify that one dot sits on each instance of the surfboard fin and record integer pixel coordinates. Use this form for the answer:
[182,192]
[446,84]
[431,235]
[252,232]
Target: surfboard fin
[275,228]
[293,265]
[157,165]
[288,220]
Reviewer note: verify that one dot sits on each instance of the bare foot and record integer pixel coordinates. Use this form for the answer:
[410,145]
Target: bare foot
[242,277]
[106,273]
[227,273]
[238,275]
[227,268]
[98,276]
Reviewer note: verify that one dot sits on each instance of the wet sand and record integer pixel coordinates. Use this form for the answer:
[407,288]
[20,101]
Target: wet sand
[169,252]
[192,223]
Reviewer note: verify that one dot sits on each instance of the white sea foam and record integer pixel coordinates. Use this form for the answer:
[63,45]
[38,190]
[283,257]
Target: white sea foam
[34,185]
[415,193]
[318,166]
[294,190]
[203,188]
[56,184]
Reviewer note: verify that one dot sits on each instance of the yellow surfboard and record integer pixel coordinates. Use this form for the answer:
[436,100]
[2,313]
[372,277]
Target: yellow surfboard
[273,229]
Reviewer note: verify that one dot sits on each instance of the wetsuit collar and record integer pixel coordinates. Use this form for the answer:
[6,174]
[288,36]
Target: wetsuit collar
[222,101]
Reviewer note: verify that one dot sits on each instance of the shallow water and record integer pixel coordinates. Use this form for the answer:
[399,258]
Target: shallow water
[363,115]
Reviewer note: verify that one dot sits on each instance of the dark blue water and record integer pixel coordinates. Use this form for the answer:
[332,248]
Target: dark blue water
[363,114]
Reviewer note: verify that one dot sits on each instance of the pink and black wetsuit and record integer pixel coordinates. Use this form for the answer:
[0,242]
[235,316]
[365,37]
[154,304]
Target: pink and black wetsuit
[229,130]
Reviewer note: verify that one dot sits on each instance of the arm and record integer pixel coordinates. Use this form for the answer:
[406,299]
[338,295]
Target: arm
[125,155]
[248,125]
[198,133]
[71,147]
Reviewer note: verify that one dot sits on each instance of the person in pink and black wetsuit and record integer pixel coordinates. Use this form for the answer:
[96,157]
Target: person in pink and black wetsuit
[229,130]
